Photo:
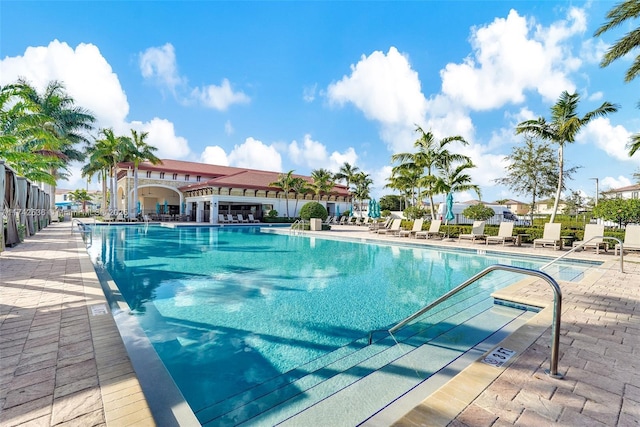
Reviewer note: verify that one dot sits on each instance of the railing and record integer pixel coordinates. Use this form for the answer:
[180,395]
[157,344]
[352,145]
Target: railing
[583,244]
[557,307]
[297,227]
[87,236]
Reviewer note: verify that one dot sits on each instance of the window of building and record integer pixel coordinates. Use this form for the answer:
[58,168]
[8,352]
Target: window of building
[175,176]
[634,195]
[198,177]
[186,177]
[148,174]
[161,175]
[64,197]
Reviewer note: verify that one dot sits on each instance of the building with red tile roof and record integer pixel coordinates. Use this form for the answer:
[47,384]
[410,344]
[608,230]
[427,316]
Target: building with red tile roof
[201,192]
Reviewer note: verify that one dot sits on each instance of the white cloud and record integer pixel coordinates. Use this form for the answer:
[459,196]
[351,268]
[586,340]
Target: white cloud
[228,127]
[314,155]
[162,135]
[385,89]
[592,50]
[87,77]
[219,97]
[611,139]
[309,93]
[508,60]
[214,155]
[596,96]
[255,154]
[159,64]
[610,182]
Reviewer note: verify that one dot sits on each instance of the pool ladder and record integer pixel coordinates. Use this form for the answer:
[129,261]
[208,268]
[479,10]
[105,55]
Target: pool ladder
[298,227]
[557,307]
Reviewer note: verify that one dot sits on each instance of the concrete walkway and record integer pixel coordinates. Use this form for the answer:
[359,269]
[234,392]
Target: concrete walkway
[62,361]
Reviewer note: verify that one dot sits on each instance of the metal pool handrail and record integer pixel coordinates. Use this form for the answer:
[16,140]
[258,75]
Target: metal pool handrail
[584,243]
[557,307]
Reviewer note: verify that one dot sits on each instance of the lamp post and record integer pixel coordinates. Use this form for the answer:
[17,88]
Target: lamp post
[597,190]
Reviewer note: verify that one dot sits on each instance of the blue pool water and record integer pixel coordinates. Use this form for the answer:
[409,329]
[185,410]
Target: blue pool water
[229,308]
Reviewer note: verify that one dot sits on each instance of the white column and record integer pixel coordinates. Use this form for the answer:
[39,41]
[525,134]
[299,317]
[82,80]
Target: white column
[200,212]
[215,206]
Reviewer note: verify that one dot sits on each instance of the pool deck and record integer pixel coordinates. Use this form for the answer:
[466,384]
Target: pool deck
[63,362]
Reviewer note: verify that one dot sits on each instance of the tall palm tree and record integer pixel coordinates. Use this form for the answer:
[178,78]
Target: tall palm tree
[82,196]
[404,179]
[362,183]
[113,150]
[97,165]
[431,155]
[284,182]
[68,123]
[562,129]
[455,179]
[141,152]
[299,186]
[619,14]
[322,182]
[346,173]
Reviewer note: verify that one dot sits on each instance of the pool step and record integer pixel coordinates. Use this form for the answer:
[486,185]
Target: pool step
[293,392]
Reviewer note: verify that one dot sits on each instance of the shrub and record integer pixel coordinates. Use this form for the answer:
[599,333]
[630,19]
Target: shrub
[415,212]
[272,213]
[313,210]
[385,213]
[478,212]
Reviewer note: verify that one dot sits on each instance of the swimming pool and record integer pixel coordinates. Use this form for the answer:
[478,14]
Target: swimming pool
[231,309]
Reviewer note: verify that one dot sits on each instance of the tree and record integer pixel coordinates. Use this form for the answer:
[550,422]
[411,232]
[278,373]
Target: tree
[140,152]
[81,196]
[362,184]
[478,212]
[562,129]
[574,203]
[622,211]
[322,182]
[454,179]
[298,186]
[390,202]
[531,171]
[284,182]
[346,173]
[624,11]
[405,180]
[111,150]
[432,155]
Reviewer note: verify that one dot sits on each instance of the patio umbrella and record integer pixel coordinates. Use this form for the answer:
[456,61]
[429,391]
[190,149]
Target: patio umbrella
[371,212]
[338,211]
[166,207]
[137,208]
[157,207]
[378,213]
[449,216]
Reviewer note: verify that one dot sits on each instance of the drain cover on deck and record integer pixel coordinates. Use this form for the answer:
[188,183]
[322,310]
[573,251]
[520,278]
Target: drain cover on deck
[498,357]
[98,309]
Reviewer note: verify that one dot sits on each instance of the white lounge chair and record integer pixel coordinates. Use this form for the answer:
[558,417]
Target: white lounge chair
[505,234]
[251,218]
[222,219]
[241,218]
[433,231]
[631,239]
[377,225]
[477,232]
[394,229]
[592,239]
[231,219]
[120,217]
[417,226]
[550,236]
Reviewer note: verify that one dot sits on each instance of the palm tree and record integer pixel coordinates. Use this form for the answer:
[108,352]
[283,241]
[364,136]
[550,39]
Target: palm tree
[362,183]
[82,196]
[431,155]
[100,165]
[112,150]
[141,152]
[68,123]
[624,11]
[346,173]
[454,179]
[322,182]
[284,182]
[562,129]
[299,186]
[404,179]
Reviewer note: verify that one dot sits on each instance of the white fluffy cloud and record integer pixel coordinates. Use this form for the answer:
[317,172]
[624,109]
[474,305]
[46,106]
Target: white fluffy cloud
[159,64]
[87,77]
[610,182]
[162,135]
[511,56]
[256,155]
[386,89]
[314,155]
[214,155]
[219,97]
[610,139]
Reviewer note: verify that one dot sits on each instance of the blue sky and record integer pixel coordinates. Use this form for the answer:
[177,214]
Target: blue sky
[283,85]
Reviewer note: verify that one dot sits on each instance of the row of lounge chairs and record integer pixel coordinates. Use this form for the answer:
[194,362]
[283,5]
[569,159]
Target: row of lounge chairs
[593,234]
[239,219]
